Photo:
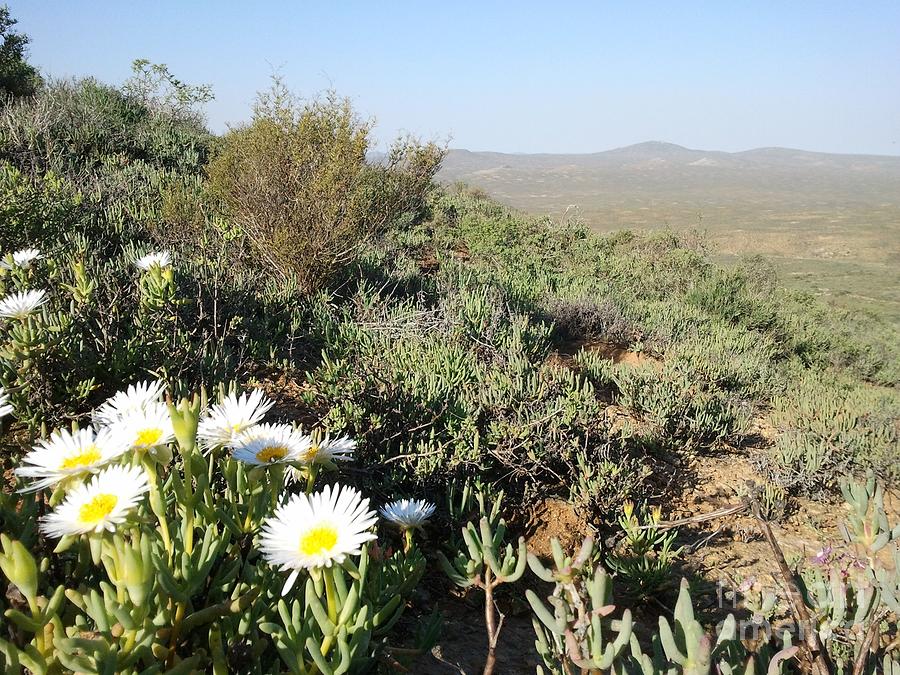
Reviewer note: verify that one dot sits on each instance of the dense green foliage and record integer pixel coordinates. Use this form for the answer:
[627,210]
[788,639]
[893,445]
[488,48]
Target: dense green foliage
[17,76]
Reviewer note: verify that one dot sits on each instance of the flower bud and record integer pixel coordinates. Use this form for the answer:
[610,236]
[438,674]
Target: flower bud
[19,567]
[185,419]
[137,568]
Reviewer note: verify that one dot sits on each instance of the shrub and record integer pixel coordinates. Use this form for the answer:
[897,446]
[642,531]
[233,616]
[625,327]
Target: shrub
[584,318]
[73,127]
[677,401]
[297,182]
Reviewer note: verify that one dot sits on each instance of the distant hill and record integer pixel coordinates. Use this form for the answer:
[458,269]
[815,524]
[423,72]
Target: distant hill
[803,209]
[656,154]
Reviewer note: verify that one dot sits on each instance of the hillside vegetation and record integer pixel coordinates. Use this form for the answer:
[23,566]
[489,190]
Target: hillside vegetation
[829,223]
[426,340]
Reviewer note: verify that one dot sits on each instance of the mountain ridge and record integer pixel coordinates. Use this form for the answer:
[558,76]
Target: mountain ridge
[666,146]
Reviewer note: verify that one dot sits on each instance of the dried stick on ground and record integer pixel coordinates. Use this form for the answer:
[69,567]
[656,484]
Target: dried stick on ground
[818,655]
[817,651]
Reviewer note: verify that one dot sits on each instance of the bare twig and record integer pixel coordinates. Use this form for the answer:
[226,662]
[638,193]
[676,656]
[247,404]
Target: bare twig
[700,518]
[860,664]
[798,606]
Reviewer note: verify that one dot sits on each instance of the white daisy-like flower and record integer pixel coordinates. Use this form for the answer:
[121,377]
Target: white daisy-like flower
[21,304]
[5,407]
[22,259]
[151,260]
[67,454]
[147,428]
[101,504]
[135,398]
[316,531]
[266,444]
[407,514]
[324,452]
[230,418]
[327,450]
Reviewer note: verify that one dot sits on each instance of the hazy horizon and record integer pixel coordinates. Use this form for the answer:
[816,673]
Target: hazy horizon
[679,145]
[577,78]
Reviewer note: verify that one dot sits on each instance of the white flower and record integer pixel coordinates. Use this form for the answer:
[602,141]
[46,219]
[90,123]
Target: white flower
[151,260]
[5,407]
[407,513]
[270,444]
[228,419]
[67,454]
[326,452]
[99,505]
[19,305]
[147,428]
[22,259]
[134,399]
[317,530]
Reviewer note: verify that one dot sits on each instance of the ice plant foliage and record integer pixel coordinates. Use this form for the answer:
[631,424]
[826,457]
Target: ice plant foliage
[21,259]
[270,444]
[5,407]
[317,530]
[407,513]
[151,260]
[136,398]
[100,505]
[228,419]
[66,454]
[22,304]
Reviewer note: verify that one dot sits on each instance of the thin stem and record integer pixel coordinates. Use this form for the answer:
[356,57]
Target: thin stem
[407,540]
[817,652]
[490,622]
[860,665]
[331,600]
[176,629]
[156,504]
[189,504]
[331,596]
[276,476]
[311,474]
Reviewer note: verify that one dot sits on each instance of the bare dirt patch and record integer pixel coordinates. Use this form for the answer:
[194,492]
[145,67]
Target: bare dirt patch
[564,355]
[289,403]
[463,644]
[554,519]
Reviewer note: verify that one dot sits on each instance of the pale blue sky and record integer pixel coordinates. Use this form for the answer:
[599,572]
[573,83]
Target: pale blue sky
[521,77]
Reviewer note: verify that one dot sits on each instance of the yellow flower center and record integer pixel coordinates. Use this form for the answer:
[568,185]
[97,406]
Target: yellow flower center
[318,540]
[310,455]
[97,509]
[147,438]
[271,453]
[86,457]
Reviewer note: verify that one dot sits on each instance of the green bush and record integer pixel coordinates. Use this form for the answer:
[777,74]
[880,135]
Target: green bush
[297,181]
[829,425]
[73,127]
